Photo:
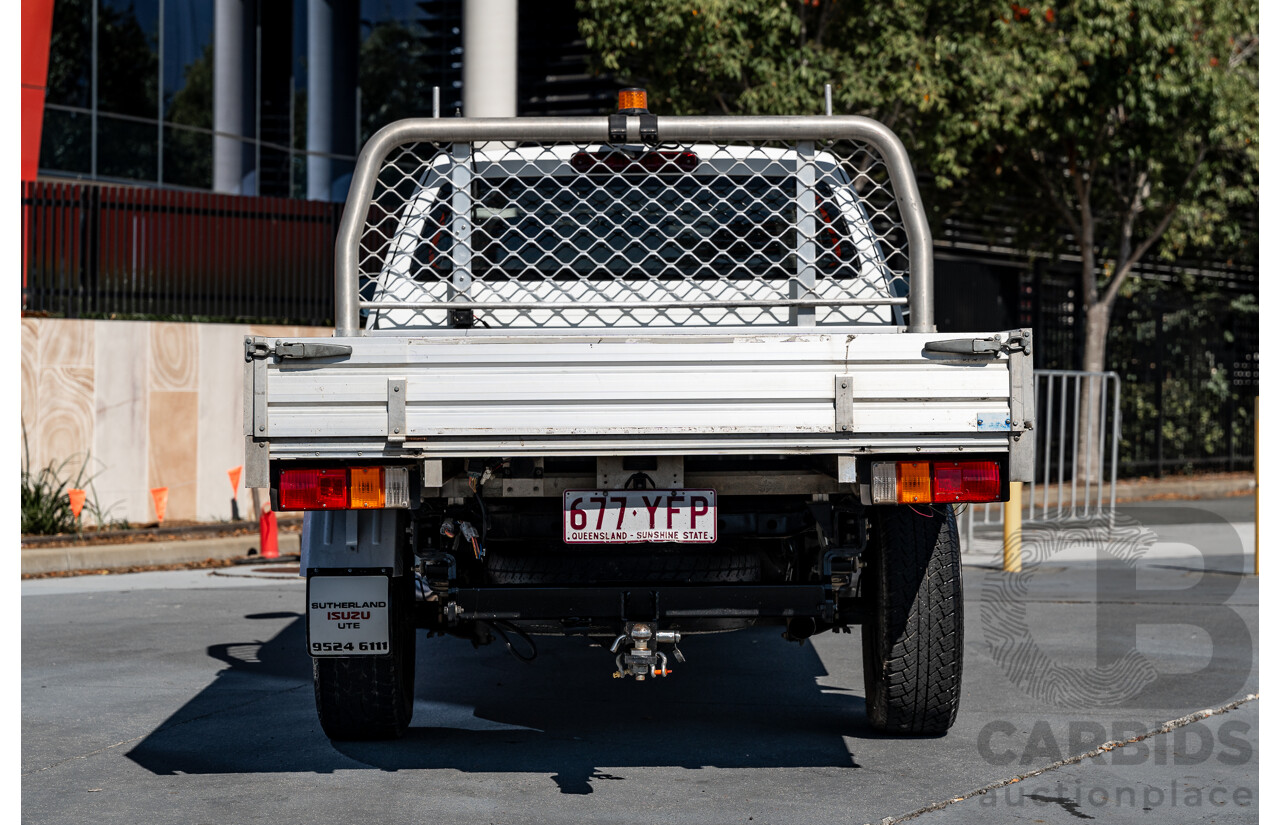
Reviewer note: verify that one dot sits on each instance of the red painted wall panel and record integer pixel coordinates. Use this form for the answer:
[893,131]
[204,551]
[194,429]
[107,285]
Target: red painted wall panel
[37,27]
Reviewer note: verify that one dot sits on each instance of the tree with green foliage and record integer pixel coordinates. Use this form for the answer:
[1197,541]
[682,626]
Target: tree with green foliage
[1133,123]
[394,76]
[764,56]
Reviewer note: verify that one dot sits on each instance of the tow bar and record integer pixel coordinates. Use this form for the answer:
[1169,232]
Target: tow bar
[641,660]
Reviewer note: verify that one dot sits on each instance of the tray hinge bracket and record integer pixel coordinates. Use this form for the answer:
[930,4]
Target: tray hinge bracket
[396,426]
[844,404]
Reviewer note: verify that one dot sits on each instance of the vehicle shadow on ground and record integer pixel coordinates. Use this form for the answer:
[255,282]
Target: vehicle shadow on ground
[743,700]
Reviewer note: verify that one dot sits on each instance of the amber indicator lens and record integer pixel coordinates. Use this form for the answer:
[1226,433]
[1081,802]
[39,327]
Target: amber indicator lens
[366,488]
[913,482]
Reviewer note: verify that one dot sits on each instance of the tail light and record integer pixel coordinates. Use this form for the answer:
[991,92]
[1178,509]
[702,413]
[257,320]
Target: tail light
[966,481]
[353,488]
[313,489]
[927,482]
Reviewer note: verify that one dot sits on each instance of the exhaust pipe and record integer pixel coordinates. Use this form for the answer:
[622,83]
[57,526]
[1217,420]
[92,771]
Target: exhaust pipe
[800,628]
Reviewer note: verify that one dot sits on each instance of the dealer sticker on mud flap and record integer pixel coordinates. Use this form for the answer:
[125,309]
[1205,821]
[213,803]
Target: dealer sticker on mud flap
[348,616]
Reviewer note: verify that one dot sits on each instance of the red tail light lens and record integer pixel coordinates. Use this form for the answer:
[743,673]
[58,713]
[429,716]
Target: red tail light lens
[313,490]
[972,481]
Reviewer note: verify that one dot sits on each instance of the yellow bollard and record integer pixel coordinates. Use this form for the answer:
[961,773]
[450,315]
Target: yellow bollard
[1013,529]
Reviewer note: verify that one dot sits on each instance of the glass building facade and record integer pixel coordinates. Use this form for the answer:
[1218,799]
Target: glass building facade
[136,89]
[130,91]
[223,95]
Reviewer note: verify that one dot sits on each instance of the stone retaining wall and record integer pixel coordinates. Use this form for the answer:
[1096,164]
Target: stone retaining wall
[148,404]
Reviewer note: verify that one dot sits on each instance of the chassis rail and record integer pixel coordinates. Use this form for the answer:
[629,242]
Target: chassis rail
[650,603]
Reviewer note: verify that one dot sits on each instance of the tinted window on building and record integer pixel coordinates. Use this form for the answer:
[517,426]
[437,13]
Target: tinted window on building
[128,59]
[71,54]
[65,138]
[188,93]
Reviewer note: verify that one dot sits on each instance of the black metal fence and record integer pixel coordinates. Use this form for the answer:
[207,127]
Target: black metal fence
[1185,346]
[127,252]
[1186,350]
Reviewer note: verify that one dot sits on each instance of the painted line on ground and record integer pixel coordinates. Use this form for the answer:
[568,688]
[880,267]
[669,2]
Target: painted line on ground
[1172,724]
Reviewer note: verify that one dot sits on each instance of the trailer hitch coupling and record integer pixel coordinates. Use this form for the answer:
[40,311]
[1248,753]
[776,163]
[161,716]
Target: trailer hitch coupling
[644,660]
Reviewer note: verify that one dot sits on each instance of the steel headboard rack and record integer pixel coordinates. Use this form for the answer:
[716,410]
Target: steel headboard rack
[563,222]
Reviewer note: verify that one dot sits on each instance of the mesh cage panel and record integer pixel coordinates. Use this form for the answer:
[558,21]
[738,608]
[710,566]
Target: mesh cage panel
[590,235]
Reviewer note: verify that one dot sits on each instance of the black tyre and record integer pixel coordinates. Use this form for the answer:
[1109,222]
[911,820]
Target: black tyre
[371,697]
[913,636]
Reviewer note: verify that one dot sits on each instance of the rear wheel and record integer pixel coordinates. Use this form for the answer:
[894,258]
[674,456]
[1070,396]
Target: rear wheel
[371,697]
[913,638]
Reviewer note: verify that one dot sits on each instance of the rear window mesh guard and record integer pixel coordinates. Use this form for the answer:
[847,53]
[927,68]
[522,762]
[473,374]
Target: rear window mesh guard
[804,221]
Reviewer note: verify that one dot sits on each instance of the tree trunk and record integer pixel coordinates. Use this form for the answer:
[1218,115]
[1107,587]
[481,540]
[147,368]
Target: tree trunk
[1089,454]
[1097,320]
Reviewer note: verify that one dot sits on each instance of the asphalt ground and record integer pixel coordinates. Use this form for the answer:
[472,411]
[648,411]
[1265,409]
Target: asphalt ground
[186,697]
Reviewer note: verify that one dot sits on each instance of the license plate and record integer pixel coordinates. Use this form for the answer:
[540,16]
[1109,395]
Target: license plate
[348,616]
[634,516]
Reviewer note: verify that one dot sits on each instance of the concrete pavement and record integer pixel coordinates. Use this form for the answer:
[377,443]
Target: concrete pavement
[186,696]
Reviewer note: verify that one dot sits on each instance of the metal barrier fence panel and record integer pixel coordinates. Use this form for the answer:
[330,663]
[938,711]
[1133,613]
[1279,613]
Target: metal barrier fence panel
[107,251]
[550,223]
[1078,442]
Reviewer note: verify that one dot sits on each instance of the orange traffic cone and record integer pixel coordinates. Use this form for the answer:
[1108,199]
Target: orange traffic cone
[267,536]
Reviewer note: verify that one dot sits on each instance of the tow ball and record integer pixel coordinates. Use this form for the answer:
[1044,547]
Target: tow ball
[642,661]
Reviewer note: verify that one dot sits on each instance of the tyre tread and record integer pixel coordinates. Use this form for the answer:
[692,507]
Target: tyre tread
[914,642]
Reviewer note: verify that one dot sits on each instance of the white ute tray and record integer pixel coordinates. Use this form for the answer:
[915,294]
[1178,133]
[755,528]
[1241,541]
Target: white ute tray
[620,392]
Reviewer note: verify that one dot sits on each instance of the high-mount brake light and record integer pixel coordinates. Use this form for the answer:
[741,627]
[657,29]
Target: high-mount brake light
[606,162]
[354,488]
[929,482]
[633,101]
[828,220]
